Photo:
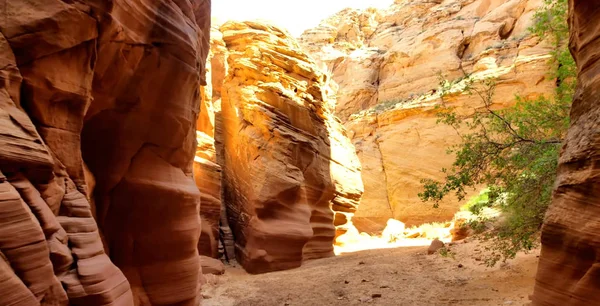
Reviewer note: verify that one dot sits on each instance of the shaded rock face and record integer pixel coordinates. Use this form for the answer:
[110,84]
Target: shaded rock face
[569,271]
[114,84]
[387,64]
[290,174]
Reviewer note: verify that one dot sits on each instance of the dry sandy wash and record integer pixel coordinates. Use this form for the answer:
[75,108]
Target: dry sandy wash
[402,276]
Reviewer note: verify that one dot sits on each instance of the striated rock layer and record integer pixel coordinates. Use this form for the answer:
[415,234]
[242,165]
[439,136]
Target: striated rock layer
[569,268]
[388,64]
[114,84]
[290,174]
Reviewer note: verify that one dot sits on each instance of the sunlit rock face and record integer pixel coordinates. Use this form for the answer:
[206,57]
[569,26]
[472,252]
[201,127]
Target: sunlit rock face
[569,271]
[114,84]
[291,178]
[388,65]
[207,171]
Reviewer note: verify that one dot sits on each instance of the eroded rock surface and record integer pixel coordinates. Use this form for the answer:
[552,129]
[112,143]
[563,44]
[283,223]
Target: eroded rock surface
[290,174]
[569,269]
[388,64]
[114,84]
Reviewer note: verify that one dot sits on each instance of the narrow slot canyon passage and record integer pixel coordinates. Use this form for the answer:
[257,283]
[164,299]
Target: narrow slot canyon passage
[269,153]
[382,80]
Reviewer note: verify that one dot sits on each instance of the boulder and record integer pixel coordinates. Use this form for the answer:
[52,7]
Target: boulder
[211,265]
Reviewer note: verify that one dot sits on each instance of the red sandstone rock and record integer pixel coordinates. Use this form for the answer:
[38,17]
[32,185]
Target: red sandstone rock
[30,276]
[143,124]
[117,84]
[287,163]
[569,268]
[48,237]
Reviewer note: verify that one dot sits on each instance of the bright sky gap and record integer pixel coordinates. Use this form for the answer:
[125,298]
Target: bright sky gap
[295,16]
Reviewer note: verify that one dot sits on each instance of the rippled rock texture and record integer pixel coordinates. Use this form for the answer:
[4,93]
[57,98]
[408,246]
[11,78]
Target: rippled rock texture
[290,174]
[113,85]
[388,64]
[569,268]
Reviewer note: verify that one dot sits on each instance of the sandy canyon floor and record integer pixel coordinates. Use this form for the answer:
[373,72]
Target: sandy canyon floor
[402,276]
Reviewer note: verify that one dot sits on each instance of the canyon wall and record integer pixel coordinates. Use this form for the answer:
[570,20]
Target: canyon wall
[98,113]
[388,65]
[291,178]
[569,268]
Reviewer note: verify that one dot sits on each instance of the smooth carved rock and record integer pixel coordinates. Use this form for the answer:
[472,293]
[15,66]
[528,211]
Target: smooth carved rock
[143,124]
[117,84]
[569,270]
[387,67]
[287,162]
[51,248]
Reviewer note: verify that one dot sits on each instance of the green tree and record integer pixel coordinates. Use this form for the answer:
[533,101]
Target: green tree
[513,151]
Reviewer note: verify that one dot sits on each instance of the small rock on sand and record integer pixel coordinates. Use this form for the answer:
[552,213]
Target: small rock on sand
[435,246]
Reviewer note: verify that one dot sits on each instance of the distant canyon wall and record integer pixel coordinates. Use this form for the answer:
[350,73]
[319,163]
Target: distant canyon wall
[388,65]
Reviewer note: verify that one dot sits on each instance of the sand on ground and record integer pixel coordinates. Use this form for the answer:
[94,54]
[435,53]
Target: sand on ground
[402,276]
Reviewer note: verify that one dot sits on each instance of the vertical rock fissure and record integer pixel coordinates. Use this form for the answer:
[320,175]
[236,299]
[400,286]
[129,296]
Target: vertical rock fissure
[226,235]
[387,191]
